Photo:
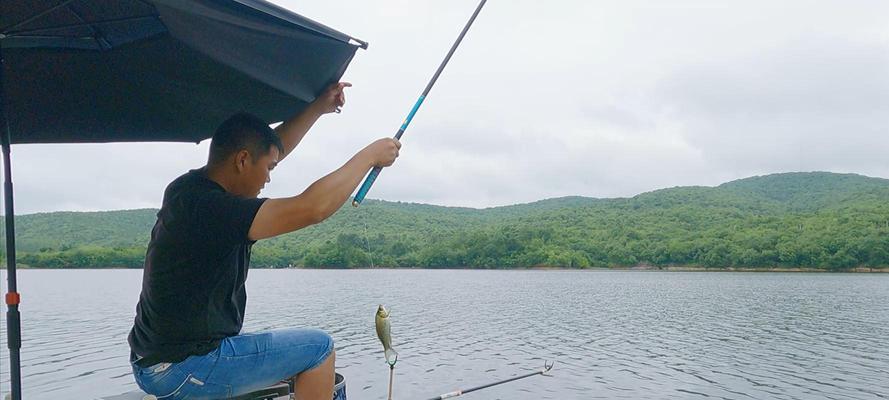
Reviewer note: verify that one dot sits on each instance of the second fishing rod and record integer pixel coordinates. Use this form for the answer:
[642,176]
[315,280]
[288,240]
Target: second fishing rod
[375,172]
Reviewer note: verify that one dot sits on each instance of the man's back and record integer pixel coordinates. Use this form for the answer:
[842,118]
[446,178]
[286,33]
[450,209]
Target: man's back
[193,292]
[186,337]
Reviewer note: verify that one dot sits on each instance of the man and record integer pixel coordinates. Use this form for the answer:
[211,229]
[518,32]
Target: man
[186,340]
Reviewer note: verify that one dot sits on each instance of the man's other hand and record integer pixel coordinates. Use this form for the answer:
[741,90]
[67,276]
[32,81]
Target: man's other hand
[332,99]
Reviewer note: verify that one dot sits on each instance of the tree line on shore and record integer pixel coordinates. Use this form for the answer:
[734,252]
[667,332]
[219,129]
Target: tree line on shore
[808,220]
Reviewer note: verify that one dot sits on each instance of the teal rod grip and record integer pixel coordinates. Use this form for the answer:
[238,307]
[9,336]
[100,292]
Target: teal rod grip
[368,182]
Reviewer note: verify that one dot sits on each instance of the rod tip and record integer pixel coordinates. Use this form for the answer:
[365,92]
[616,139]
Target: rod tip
[355,203]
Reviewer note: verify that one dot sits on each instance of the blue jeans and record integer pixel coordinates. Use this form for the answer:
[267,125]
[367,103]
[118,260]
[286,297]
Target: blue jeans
[241,364]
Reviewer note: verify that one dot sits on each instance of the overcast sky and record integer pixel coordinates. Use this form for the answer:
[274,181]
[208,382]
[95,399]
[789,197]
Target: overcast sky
[555,98]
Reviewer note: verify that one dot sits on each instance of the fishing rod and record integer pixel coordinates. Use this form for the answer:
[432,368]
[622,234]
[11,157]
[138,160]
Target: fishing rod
[369,181]
[546,368]
[384,333]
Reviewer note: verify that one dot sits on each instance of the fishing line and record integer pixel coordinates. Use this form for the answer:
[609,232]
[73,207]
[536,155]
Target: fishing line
[367,239]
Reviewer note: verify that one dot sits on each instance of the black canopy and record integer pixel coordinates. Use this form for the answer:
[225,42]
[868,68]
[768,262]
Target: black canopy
[158,70]
[78,71]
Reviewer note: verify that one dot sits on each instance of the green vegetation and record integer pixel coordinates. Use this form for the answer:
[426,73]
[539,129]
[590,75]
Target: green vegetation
[809,220]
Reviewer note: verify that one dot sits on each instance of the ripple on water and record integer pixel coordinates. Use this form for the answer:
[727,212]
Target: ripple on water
[613,334]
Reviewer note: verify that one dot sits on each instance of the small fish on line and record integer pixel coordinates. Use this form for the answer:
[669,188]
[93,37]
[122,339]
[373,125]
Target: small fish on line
[384,333]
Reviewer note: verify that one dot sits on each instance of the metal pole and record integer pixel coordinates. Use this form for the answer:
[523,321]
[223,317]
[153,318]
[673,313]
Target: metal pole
[456,393]
[391,375]
[13,318]
[369,181]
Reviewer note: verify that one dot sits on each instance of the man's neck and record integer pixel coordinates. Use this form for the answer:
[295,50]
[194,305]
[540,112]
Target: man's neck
[220,177]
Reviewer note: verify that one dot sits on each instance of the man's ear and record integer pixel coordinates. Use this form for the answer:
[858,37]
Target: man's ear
[241,160]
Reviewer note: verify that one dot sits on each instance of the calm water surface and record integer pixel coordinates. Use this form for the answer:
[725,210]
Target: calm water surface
[613,334]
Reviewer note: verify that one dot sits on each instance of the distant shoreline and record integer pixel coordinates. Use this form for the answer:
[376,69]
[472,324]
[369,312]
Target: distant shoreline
[643,268]
[748,269]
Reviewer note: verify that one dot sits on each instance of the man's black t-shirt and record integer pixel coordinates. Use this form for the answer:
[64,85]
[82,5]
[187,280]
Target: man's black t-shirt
[193,292]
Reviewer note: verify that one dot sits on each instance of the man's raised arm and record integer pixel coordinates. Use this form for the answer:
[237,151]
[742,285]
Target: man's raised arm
[293,130]
[324,197]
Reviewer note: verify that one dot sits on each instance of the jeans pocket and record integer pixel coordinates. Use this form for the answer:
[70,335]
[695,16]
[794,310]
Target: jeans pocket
[164,382]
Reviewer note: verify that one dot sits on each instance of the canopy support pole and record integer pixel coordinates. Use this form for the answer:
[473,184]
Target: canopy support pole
[13,318]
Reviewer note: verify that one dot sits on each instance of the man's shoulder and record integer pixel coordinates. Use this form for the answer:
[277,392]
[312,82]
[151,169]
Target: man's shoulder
[193,176]
[187,186]
[193,180]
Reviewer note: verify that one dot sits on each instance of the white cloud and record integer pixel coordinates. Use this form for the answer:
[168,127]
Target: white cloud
[547,99]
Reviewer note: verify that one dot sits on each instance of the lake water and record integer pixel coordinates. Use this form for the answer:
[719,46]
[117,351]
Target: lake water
[612,334]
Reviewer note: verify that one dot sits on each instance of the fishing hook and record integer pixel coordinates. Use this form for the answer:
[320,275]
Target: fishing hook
[547,367]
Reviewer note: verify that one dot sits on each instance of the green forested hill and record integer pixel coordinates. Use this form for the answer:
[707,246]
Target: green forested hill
[820,220]
[65,230]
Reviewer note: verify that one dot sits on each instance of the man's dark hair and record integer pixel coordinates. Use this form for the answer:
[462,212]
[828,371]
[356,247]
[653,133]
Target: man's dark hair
[243,131]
